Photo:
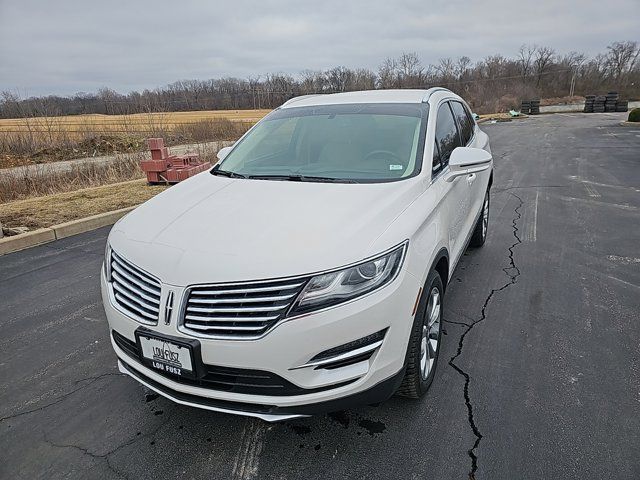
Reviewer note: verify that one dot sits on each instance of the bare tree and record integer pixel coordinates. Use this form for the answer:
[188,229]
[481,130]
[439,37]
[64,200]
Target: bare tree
[410,70]
[339,78]
[525,60]
[622,58]
[387,73]
[543,58]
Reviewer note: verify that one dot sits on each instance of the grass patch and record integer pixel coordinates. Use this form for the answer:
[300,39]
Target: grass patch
[51,178]
[41,212]
[28,141]
[47,180]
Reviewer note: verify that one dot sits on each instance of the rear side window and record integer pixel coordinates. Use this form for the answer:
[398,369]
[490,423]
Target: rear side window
[447,137]
[464,122]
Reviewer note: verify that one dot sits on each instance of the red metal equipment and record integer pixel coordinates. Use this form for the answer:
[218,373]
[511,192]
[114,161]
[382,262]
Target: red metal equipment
[165,168]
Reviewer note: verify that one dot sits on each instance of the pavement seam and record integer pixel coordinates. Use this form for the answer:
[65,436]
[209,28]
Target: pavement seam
[513,278]
[87,452]
[105,456]
[62,397]
[526,187]
[452,322]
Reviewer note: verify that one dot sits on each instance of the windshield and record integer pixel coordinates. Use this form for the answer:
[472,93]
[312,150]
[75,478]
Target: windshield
[355,142]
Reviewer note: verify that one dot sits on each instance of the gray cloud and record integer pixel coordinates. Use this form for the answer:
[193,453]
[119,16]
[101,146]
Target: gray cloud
[68,46]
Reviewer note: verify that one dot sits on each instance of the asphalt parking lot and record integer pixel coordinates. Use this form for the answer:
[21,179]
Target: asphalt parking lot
[539,376]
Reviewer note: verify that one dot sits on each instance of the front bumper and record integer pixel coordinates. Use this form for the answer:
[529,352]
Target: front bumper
[284,350]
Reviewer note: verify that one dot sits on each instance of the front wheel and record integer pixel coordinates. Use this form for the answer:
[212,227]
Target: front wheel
[480,231]
[424,343]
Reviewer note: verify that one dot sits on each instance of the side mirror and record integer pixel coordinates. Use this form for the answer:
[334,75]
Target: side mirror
[223,152]
[467,160]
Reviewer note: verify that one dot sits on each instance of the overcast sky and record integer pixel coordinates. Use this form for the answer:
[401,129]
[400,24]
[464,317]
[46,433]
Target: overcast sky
[68,46]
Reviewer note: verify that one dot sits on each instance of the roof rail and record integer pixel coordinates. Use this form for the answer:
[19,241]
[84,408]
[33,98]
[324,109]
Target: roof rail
[300,97]
[433,90]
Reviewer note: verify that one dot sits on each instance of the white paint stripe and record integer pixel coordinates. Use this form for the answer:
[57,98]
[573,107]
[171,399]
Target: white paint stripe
[601,204]
[245,465]
[623,260]
[607,184]
[535,217]
[591,190]
[622,281]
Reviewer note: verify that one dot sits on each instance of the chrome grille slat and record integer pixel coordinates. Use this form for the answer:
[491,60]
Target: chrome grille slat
[230,319]
[277,298]
[133,269]
[134,280]
[237,309]
[135,292]
[134,307]
[223,327]
[247,290]
[123,290]
[241,310]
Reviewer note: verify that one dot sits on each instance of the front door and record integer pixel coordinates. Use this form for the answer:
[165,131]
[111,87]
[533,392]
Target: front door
[456,196]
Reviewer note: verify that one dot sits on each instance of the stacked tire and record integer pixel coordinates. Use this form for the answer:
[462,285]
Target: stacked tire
[588,103]
[535,107]
[622,105]
[598,104]
[525,107]
[611,99]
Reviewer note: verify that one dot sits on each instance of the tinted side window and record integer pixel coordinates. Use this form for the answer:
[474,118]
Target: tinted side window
[470,115]
[464,122]
[447,138]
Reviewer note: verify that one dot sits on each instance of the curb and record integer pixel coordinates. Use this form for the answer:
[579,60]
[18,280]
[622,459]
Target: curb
[62,230]
[630,124]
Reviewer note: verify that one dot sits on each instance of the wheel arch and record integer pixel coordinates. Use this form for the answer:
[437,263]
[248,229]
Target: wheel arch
[441,265]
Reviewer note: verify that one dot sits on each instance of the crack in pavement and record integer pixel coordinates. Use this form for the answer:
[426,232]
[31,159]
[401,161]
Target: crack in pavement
[89,380]
[87,452]
[106,456]
[452,322]
[513,272]
[526,187]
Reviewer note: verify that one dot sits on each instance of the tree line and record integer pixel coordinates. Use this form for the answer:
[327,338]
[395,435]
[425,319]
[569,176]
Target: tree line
[494,83]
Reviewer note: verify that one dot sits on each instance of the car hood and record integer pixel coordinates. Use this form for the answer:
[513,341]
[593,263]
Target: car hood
[213,229]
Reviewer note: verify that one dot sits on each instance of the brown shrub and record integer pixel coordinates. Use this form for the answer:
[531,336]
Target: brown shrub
[211,129]
[47,179]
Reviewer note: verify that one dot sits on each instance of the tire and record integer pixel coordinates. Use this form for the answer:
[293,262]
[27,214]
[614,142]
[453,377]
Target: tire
[479,235]
[425,340]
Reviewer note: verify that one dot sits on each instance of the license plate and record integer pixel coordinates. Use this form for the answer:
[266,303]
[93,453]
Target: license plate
[166,356]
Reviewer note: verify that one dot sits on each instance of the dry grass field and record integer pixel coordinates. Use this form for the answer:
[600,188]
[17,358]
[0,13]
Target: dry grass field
[32,140]
[49,128]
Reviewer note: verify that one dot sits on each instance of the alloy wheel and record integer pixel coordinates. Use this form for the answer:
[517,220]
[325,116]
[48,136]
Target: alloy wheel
[485,216]
[430,333]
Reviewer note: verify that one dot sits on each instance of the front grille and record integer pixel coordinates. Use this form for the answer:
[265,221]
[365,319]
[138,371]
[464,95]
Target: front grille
[230,379]
[239,310]
[136,292]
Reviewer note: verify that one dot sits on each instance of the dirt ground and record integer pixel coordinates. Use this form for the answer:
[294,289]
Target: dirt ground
[41,212]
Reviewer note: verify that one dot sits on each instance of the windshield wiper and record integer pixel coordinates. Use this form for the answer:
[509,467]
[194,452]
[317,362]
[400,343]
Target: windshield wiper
[225,173]
[302,178]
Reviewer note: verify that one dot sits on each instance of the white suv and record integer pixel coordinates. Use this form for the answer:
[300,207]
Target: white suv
[306,271]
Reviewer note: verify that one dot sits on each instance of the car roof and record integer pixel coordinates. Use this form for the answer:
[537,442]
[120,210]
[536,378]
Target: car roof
[366,96]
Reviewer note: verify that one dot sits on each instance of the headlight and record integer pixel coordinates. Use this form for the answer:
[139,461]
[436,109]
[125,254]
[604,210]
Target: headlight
[107,262]
[336,287]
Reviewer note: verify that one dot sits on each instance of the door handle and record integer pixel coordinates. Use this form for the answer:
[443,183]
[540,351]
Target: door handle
[471,178]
